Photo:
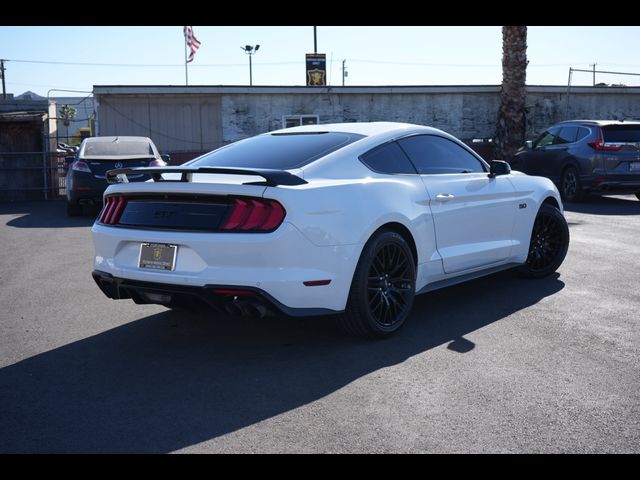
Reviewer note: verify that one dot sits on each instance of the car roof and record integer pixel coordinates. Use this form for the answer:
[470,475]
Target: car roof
[367,129]
[601,123]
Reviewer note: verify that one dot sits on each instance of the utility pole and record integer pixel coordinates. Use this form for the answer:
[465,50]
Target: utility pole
[4,88]
[315,41]
[344,71]
[594,72]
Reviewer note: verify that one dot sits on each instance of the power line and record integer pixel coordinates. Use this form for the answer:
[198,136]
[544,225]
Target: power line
[140,65]
[223,65]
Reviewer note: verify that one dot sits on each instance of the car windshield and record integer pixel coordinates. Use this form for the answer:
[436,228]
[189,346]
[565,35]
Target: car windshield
[280,151]
[118,148]
[621,133]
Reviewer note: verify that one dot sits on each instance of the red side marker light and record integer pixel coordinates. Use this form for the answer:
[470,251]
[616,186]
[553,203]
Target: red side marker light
[316,283]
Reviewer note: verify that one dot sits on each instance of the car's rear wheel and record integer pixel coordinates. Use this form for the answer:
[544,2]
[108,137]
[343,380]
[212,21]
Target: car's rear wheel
[383,288]
[74,209]
[549,243]
[571,186]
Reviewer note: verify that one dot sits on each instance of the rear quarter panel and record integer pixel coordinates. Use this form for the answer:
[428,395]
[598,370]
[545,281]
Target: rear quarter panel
[346,212]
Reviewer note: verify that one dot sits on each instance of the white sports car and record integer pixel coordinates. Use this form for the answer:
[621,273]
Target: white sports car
[352,219]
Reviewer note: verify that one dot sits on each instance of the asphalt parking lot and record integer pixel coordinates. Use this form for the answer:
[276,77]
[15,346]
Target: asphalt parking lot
[500,364]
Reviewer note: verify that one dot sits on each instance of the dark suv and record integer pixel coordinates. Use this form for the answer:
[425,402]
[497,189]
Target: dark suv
[585,156]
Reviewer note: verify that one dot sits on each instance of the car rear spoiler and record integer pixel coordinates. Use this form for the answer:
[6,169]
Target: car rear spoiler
[272,177]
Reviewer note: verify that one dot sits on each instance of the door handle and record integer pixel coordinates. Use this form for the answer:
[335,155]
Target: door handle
[444,197]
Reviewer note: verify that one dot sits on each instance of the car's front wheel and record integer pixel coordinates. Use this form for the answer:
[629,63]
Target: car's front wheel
[571,186]
[549,243]
[383,287]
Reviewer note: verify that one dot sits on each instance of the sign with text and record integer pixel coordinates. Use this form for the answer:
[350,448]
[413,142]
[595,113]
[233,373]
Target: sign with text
[316,69]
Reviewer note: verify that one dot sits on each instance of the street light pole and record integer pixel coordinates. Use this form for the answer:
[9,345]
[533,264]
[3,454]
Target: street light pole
[315,41]
[250,50]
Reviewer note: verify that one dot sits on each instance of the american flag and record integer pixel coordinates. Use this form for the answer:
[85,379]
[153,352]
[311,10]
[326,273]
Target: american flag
[192,42]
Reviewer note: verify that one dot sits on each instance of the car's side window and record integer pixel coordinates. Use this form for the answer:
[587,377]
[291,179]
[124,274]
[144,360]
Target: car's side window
[433,154]
[582,133]
[566,135]
[546,138]
[388,158]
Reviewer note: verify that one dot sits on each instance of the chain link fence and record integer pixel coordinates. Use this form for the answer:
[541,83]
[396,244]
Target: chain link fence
[32,176]
[41,175]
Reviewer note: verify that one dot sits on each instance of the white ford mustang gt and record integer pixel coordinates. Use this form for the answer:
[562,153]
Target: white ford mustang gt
[352,219]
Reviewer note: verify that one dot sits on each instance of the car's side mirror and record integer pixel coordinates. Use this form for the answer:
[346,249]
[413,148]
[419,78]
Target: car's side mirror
[499,167]
[529,144]
[166,157]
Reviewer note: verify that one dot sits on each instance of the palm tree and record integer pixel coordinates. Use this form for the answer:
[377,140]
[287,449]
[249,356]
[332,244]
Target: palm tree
[67,114]
[511,115]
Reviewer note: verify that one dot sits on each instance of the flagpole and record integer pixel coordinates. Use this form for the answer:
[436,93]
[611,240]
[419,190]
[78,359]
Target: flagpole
[186,73]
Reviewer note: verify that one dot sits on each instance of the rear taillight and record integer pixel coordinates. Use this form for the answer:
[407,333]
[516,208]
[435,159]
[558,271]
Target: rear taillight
[113,208]
[157,163]
[79,166]
[255,215]
[603,147]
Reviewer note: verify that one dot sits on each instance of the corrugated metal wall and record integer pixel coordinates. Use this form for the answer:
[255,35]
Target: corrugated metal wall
[201,118]
[175,123]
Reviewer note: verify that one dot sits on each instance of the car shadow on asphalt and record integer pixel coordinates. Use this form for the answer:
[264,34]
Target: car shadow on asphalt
[620,205]
[171,380]
[51,214]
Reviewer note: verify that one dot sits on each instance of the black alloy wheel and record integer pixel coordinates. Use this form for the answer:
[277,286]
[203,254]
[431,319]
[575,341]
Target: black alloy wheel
[383,287]
[571,187]
[549,242]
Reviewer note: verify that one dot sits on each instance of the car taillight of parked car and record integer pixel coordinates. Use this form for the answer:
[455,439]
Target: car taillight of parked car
[113,208]
[603,147]
[157,163]
[254,214]
[80,166]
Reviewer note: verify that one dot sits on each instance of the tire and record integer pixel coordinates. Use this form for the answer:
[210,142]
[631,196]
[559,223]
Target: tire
[549,243]
[571,186]
[73,209]
[383,288]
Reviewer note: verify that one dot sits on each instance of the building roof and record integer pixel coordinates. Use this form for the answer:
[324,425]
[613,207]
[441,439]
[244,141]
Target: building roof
[23,116]
[302,89]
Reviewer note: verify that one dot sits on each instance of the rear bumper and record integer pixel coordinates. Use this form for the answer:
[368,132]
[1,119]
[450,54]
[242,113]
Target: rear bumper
[85,188]
[618,183]
[218,297]
[276,263]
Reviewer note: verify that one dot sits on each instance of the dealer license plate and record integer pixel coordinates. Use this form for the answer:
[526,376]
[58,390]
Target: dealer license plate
[157,256]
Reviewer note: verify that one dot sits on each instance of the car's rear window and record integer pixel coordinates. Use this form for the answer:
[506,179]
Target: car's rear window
[621,133]
[280,151]
[117,148]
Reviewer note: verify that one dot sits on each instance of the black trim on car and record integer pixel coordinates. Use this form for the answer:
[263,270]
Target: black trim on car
[123,288]
[272,177]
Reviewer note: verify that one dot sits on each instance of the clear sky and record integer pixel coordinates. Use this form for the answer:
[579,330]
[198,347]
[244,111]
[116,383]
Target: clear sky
[374,55]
